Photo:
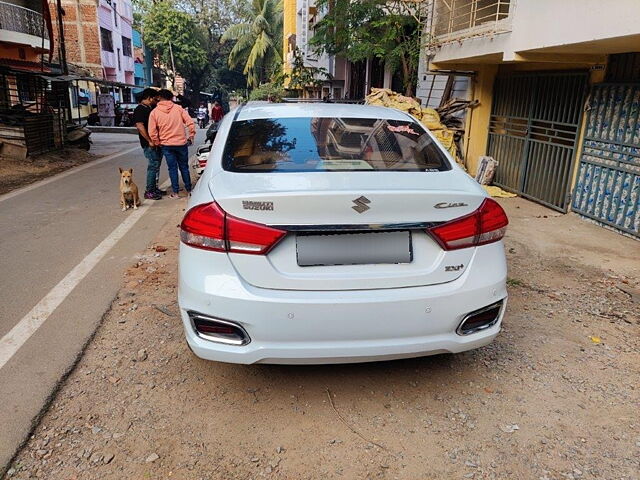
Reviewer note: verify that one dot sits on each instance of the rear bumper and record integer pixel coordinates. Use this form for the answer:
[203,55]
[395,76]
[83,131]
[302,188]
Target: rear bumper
[337,326]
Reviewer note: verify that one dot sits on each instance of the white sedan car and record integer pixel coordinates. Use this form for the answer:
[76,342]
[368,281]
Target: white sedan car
[327,233]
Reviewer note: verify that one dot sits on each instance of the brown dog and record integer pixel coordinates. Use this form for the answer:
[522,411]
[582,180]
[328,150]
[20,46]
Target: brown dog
[128,190]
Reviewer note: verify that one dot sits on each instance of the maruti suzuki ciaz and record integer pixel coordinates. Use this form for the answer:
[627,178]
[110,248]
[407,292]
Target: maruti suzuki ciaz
[334,233]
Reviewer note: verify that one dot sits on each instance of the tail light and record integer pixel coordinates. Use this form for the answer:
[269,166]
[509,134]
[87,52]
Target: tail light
[486,225]
[209,227]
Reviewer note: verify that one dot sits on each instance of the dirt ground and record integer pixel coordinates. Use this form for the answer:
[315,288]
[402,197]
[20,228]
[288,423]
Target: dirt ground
[556,396]
[18,173]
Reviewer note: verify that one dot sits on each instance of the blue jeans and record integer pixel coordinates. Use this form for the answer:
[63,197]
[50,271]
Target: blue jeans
[178,158]
[154,156]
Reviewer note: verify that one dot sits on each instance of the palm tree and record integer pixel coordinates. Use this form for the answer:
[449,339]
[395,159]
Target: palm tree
[258,42]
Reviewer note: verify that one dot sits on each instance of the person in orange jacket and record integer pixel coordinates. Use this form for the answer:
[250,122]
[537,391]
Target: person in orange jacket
[167,124]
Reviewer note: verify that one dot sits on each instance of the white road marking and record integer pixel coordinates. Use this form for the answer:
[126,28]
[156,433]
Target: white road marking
[66,173]
[22,331]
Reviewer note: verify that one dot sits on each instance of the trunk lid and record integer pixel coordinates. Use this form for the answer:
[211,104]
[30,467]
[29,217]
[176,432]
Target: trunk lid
[320,203]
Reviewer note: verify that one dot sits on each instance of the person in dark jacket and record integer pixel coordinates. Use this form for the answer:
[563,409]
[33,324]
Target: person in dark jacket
[148,100]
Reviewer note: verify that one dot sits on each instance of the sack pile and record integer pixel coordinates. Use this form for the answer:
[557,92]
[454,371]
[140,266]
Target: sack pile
[446,128]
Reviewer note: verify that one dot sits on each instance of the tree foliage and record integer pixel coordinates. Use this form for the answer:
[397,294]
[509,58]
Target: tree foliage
[257,42]
[207,20]
[214,17]
[303,76]
[385,29]
[168,31]
[268,91]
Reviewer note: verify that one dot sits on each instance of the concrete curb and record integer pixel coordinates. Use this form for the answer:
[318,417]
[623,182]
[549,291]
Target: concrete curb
[100,129]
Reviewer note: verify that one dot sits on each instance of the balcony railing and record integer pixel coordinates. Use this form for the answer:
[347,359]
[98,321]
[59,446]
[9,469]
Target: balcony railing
[22,20]
[455,20]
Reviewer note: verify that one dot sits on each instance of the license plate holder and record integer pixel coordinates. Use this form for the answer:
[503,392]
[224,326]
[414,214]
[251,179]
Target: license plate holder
[354,248]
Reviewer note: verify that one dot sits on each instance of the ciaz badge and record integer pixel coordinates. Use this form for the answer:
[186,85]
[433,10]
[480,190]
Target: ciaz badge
[450,204]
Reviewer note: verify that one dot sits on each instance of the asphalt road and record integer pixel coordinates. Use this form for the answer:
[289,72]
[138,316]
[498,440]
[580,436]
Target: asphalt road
[63,246]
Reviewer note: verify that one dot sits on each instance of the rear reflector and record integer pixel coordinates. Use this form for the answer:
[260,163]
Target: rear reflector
[486,225]
[216,330]
[209,227]
[480,319]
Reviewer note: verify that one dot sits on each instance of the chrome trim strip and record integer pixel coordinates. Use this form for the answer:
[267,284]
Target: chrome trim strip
[476,312]
[236,343]
[357,227]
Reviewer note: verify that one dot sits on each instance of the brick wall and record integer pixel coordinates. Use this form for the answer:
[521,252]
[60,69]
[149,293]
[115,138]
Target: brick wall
[81,32]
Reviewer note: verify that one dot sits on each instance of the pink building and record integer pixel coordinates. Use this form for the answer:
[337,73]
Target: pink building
[115,18]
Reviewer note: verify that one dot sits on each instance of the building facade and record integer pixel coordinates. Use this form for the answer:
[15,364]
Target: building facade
[348,80]
[98,39]
[143,63]
[300,18]
[33,105]
[82,36]
[24,34]
[115,20]
[558,85]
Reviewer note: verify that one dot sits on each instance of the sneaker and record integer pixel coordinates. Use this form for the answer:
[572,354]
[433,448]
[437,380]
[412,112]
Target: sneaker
[160,192]
[152,196]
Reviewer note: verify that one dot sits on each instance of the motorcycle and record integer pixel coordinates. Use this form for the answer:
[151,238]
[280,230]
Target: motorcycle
[212,131]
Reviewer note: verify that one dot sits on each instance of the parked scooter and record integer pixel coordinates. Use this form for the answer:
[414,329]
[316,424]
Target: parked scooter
[198,161]
[78,136]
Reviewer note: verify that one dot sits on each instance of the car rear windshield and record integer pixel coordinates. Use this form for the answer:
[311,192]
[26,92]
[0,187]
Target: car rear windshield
[331,145]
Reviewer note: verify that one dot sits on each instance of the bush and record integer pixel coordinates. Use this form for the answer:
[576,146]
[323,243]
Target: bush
[267,91]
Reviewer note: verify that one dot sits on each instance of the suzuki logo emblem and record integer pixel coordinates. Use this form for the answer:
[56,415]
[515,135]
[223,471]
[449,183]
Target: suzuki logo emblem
[361,204]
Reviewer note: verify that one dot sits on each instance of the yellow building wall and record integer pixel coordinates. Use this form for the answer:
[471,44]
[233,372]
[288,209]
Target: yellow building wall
[288,30]
[477,121]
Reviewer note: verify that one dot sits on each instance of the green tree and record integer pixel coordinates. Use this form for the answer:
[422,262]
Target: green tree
[361,29]
[303,76]
[257,42]
[176,38]
[268,91]
[214,17]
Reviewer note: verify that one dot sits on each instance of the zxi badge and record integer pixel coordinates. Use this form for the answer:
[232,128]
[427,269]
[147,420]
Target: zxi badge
[361,204]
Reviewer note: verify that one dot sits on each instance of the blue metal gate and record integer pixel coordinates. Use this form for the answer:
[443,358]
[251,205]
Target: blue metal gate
[608,182]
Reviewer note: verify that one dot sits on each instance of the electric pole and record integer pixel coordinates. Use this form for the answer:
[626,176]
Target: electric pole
[63,51]
[173,67]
